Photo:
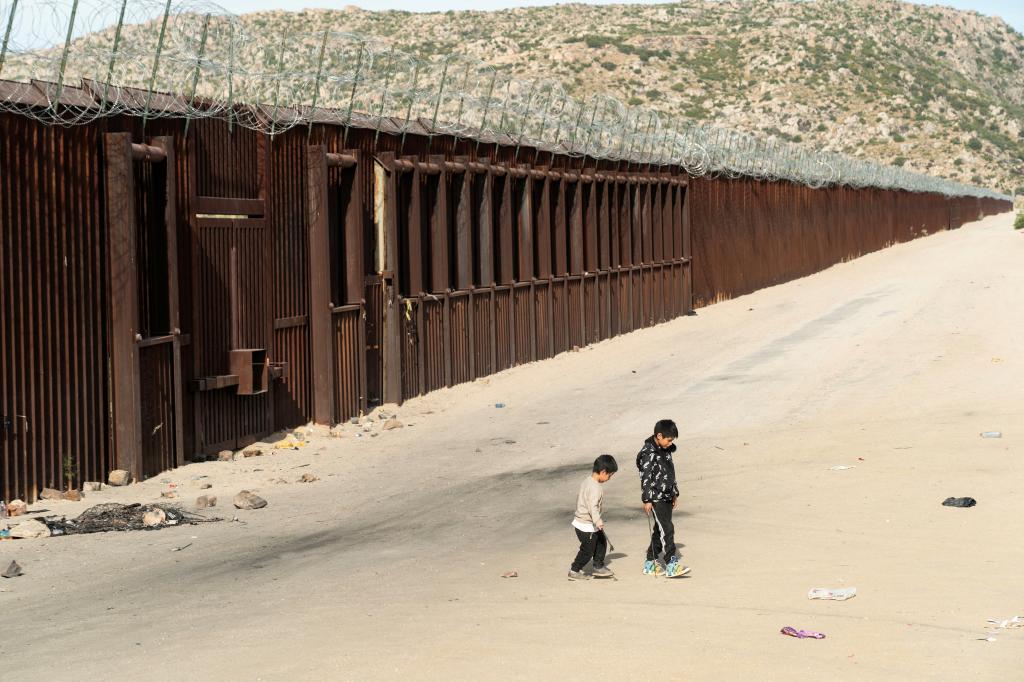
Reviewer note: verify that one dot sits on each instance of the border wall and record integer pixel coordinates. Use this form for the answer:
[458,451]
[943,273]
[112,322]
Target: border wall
[170,289]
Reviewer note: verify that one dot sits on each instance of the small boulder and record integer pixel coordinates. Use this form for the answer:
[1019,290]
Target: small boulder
[205,501]
[307,478]
[33,528]
[72,496]
[16,508]
[252,452]
[169,494]
[13,571]
[118,477]
[248,500]
[50,494]
[225,456]
[201,484]
[92,486]
[154,517]
[392,424]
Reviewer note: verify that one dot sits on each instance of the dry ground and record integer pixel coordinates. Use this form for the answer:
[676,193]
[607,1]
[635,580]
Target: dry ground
[388,567]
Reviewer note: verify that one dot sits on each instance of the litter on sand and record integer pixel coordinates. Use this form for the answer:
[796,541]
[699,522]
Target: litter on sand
[840,467]
[113,516]
[959,502]
[1015,622]
[833,593]
[510,574]
[802,634]
[991,434]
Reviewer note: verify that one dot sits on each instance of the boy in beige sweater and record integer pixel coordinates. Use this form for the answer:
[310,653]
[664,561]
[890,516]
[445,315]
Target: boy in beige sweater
[588,523]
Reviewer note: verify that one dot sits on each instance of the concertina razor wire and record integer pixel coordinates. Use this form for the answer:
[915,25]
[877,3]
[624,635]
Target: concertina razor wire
[69,62]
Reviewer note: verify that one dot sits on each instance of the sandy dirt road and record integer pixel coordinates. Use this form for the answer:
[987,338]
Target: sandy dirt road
[389,566]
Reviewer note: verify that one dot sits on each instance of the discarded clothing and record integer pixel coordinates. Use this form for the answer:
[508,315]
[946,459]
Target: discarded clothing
[959,502]
[802,634]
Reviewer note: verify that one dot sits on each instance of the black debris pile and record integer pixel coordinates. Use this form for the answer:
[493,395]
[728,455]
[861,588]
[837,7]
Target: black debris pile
[113,516]
[959,502]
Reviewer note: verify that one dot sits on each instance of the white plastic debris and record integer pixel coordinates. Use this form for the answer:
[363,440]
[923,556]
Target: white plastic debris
[833,593]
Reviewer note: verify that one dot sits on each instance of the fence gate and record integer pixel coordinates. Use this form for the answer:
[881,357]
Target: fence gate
[145,341]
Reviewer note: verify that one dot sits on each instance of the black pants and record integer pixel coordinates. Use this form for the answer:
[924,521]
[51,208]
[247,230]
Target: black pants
[592,546]
[663,538]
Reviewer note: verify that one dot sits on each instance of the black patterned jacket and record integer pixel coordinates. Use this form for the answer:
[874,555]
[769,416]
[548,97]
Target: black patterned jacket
[657,473]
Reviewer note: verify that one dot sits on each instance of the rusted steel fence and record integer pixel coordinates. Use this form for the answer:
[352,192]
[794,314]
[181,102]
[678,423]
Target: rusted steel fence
[751,234]
[172,289]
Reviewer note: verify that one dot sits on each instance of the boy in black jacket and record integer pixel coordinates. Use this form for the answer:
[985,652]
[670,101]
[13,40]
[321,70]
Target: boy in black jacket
[659,493]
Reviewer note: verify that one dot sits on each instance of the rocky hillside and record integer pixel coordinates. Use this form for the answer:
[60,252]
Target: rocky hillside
[933,89]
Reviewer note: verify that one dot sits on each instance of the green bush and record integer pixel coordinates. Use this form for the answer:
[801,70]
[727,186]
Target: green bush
[974,143]
[1018,224]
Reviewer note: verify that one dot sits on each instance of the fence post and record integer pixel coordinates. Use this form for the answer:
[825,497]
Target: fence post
[126,404]
[320,331]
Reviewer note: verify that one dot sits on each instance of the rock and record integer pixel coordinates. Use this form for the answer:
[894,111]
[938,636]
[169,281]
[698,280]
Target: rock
[13,571]
[33,528]
[49,494]
[16,508]
[204,501]
[252,452]
[392,424]
[307,478]
[202,485]
[248,500]
[72,496]
[169,494]
[118,477]
[154,517]
[92,486]
[225,456]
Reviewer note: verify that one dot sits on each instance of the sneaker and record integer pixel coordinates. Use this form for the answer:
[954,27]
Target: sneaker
[676,570]
[578,575]
[654,568]
[602,572]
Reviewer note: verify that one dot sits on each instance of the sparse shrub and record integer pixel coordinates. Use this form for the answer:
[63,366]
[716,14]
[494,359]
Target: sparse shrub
[609,66]
[974,143]
[1018,224]
[899,161]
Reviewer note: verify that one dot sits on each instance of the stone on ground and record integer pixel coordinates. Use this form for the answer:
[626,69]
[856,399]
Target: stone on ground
[118,477]
[33,528]
[248,500]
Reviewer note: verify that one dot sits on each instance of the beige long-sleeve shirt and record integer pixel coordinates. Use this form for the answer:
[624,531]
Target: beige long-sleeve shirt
[588,506]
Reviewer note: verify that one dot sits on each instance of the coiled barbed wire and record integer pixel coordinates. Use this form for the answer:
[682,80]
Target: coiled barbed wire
[69,62]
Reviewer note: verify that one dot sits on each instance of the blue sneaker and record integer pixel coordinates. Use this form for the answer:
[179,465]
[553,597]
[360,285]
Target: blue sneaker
[676,570]
[654,568]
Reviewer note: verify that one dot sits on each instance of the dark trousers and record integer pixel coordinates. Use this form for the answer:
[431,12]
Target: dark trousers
[663,537]
[592,546]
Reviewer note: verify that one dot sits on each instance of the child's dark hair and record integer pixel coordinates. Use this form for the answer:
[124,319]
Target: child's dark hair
[667,428]
[605,463]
